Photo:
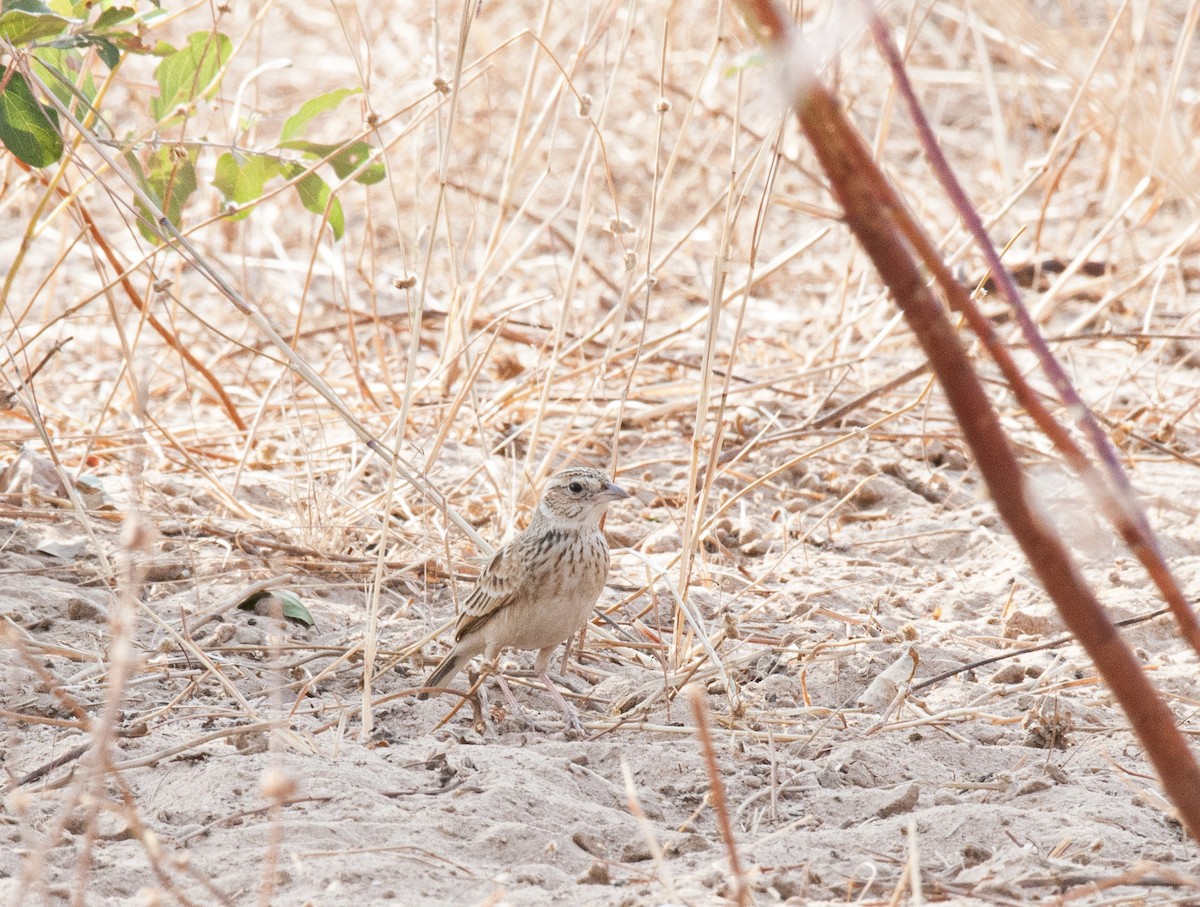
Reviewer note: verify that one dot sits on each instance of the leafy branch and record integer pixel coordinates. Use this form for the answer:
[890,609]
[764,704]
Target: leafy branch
[58,49]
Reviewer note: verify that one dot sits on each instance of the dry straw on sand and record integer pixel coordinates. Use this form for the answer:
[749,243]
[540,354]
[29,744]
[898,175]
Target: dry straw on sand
[600,239]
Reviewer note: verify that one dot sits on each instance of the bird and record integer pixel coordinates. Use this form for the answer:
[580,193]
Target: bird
[540,588]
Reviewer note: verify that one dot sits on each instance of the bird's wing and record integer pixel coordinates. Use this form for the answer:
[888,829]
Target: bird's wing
[496,588]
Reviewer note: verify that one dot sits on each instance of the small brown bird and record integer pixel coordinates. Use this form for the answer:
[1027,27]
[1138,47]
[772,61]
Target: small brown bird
[540,588]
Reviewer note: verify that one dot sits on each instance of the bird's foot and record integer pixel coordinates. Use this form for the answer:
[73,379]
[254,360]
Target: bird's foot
[569,714]
[515,708]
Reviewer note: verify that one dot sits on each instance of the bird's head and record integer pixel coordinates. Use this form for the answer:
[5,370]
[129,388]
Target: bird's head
[578,496]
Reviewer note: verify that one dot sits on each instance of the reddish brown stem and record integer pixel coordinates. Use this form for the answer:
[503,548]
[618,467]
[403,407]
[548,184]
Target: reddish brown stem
[97,236]
[868,204]
[1116,495]
[716,788]
[172,341]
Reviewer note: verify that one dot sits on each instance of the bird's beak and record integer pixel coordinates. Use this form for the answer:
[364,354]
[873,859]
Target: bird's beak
[614,492]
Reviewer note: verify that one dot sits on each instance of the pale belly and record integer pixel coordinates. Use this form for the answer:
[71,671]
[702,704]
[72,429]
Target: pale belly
[559,606]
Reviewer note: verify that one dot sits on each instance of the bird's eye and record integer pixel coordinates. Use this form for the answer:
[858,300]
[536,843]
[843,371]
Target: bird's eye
[576,487]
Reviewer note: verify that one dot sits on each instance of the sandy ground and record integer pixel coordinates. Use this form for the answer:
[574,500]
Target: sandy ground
[243,772]
[1015,782]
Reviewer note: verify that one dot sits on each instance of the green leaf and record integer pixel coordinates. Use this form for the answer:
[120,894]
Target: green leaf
[293,608]
[107,52]
[133,44]
[114,15]
[26,21]
[105,49]
[294,126]
[250,602]
[169,178]
[35,7]
[289,603]
[240,179]
[345,159]
[316,196]
[751,59]
[189,72]
[28,129]
[59,68]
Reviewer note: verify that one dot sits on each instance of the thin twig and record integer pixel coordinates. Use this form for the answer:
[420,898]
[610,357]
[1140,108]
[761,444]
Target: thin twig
[716,788]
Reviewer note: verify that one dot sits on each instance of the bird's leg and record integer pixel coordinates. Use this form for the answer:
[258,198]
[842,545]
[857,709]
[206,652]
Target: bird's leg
[492,669]
[574,637]
[508,696]
[520,712]
[568,712]
[514,706]
[566,654]
[539,665]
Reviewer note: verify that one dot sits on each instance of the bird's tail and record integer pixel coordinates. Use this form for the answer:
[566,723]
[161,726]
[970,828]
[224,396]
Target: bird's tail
[449,666]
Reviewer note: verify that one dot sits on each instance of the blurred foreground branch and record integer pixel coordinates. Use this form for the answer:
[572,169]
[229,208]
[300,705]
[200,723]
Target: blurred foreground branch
[894,243]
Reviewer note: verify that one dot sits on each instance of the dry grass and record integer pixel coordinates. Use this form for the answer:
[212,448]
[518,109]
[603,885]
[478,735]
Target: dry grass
[600,240]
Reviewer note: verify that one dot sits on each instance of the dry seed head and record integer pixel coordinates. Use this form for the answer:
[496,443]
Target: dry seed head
[152,843]
[278,785]
[19,801]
